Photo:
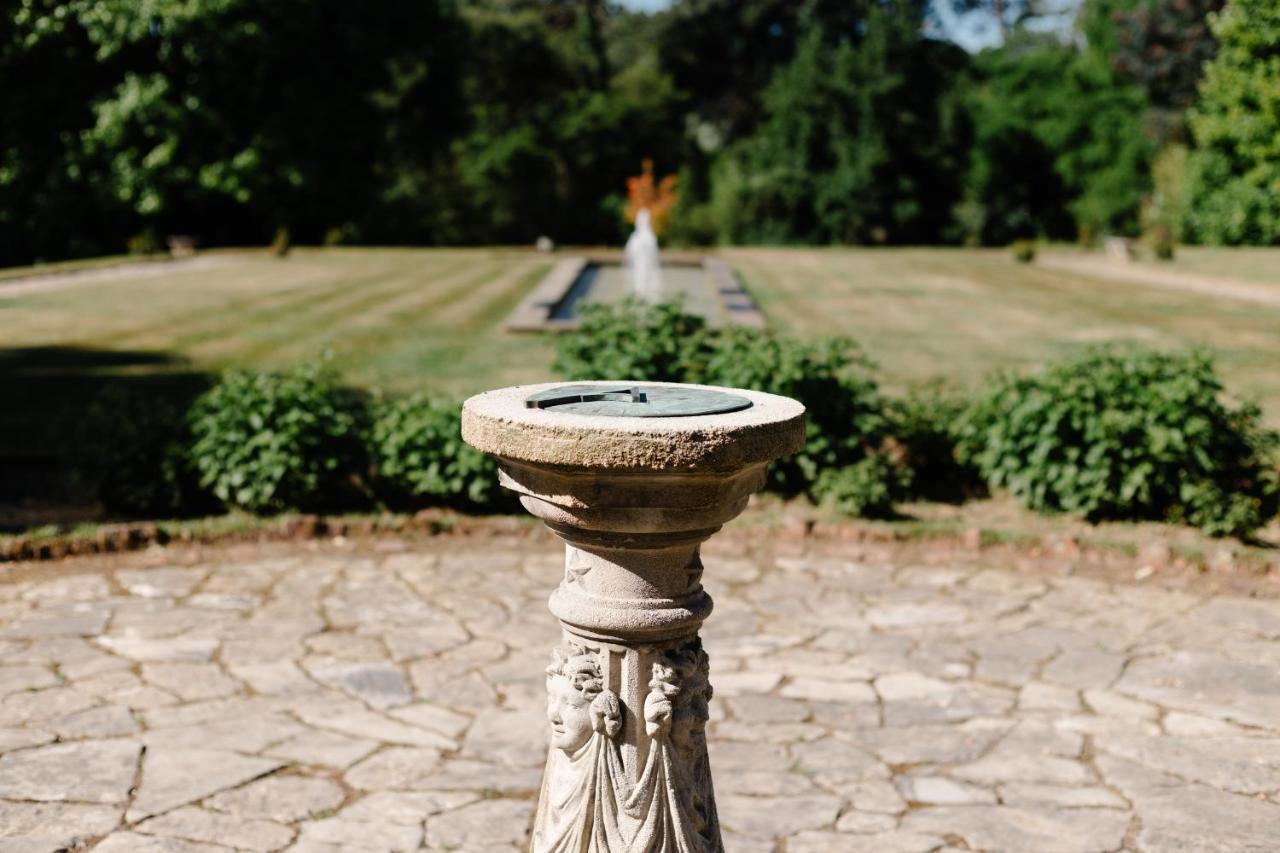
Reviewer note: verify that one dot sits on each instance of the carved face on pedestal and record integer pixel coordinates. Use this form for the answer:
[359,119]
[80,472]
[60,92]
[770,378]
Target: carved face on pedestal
[574,682]
[569,712]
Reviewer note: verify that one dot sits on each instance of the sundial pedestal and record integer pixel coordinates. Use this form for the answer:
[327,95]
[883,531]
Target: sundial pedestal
[634,478]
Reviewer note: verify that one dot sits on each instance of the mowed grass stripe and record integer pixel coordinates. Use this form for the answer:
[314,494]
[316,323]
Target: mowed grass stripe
[344,333]
[416,321]
[262,335]
[474,270]
[466,358]
[180,327]
[477,308]
[333,304]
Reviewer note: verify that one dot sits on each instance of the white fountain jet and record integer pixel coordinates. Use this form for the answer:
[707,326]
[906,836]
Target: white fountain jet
[642,258]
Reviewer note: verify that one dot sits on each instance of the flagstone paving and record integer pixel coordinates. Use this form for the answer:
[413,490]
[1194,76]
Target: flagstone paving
[365,699]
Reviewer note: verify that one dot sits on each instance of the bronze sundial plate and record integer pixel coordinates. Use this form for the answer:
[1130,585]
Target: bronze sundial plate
[636,400]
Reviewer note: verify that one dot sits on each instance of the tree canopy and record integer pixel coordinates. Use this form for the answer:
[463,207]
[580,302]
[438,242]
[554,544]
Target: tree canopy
[496,121]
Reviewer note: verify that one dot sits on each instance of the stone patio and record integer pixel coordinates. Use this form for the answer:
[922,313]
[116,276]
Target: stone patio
[385,696]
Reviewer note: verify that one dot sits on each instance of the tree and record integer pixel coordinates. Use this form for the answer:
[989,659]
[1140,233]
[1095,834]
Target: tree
[221,118]
[1236,125]
[52,199]
[1059,145]
[1160,45]
[858,142]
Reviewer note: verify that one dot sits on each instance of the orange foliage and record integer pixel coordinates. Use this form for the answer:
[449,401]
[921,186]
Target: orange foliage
[659,199]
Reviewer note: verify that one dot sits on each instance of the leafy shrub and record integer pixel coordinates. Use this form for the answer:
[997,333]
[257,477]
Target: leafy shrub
[420,457]
[845,414]
[846,419]
[267,442]
[130,449]
[923,429]
[637,341]
[1024,251]
[1139,435]
[868,488]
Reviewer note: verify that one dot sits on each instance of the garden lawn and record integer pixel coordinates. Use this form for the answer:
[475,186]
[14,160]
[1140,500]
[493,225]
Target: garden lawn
[957,314]
[393,318]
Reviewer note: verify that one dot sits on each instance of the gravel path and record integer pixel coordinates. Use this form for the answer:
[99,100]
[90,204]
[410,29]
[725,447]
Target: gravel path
[44,282]
[1208,285]
[392,700]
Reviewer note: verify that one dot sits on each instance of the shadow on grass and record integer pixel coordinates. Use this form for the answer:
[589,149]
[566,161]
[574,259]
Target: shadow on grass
[46,394]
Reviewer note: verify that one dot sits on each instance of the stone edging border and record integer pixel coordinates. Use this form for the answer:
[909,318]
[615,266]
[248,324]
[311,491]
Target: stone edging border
[535,313]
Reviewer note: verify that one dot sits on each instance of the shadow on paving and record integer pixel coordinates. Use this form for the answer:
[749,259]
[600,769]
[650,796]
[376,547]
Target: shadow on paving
[46,394]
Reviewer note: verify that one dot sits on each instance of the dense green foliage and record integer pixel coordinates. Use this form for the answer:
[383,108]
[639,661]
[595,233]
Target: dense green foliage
[634,340]
[857,143]
[845,417]
[1236,124]
[1059,147]
[846,421]
[1142,435]
[267,442]
[923,426]
[1109,435]
[495,121]
[420,458]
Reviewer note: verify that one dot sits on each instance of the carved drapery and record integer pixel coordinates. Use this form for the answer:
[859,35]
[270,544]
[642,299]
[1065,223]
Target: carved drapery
[592,801]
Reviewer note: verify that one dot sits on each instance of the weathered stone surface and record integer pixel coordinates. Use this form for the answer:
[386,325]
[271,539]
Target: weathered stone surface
[361,723]
[380,685]
[104,721]
[14,679]
[1026,793]
[842,842]
[489,822]
[93,771]
[1176,816]
[410,808]
[323,748]
[160,582]
[195,824]
[190,681]
[1027,828]
[359,836]
[284,799]
[768,817]
[1207,685]
[940,791]
[1179,749]
[29,827]
[161,649]
[396,767]
[1245,765]
[174,777]
[133,842]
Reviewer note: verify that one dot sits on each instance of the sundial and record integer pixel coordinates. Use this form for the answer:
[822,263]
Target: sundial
[633,499]
[623,400]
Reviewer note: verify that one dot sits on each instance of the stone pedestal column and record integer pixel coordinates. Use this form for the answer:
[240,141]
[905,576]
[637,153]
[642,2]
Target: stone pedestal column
[633,496]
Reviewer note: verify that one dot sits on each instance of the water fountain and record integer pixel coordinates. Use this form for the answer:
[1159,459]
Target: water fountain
[642,259]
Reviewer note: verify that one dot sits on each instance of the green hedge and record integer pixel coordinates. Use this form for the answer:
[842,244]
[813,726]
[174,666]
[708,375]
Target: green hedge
[847,420]
[268,442]
[1108,435]
[420,458]
[1127,435]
